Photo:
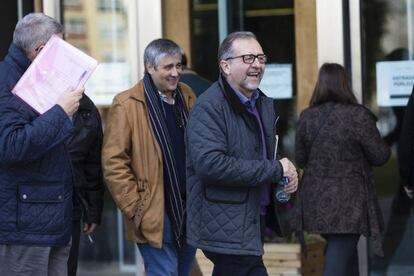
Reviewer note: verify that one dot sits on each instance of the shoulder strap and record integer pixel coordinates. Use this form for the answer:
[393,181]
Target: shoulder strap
[323,121]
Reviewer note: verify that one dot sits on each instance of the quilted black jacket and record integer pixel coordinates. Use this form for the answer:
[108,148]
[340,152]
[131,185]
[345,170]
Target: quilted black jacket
[225,171]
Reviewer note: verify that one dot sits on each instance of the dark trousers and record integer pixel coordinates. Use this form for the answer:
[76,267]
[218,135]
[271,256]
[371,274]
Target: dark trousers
[341,255]
[74,250]
[396,226]
[240,265]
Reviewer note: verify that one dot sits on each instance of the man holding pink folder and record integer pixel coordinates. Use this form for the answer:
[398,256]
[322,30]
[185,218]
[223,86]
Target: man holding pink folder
[35,166]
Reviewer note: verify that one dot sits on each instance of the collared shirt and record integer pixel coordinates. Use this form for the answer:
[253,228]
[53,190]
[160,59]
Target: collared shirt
[164,97]
[251,107]
[250,104]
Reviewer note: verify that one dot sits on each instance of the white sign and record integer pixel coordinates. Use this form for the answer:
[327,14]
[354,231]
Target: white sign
[395,80]
[108,80]
[277,81]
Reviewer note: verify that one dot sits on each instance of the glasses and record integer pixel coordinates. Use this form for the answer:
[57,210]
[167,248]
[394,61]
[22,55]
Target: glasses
[39,48]
[249,59]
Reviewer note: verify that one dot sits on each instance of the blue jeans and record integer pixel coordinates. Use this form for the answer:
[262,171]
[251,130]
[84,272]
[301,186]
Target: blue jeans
[168,260]
[341,255]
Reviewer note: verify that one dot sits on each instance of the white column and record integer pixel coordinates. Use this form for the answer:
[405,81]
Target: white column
[222,19]
[356,57]
[19,9]
[330,37]
[409,5]
[149,27]
[52,8]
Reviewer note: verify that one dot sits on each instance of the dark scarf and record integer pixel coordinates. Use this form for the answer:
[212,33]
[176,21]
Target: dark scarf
[174,203]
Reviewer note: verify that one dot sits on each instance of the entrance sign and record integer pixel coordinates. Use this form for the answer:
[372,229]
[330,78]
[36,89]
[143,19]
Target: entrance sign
[277,81]
[395,80]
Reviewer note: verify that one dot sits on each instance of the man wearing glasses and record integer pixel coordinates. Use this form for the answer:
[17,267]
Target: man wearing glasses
[231,173]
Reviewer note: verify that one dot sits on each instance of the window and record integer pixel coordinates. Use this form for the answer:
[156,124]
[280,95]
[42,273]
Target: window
[75,26]
[108,5]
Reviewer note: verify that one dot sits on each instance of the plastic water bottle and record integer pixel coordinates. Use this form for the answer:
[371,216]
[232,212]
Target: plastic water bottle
[281,195]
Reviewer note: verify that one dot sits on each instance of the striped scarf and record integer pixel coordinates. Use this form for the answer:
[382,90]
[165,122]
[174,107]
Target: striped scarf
[174,203]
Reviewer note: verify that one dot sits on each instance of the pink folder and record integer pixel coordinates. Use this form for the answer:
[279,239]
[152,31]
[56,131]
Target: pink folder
[59,67]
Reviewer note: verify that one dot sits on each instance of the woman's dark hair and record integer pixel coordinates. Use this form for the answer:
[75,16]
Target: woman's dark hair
[332,86]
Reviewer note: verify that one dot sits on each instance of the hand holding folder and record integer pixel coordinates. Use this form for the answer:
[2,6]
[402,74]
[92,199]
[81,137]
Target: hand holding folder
[59,67]
[69,100]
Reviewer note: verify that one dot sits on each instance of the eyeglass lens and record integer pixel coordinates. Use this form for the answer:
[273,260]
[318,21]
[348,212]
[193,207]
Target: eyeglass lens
[250,58]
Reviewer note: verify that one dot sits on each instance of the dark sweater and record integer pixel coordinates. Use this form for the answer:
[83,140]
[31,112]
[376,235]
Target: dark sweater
[177,141]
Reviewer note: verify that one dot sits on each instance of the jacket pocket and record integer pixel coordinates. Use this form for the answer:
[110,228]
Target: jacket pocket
[144,194]
[228,195]
[41,208]
[224,214]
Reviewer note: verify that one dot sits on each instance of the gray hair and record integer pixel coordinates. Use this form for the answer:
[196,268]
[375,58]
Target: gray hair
[160,48]
[34,30]
[226,47]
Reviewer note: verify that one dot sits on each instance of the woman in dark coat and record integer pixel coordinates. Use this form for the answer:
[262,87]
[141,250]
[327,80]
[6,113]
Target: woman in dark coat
[337,142]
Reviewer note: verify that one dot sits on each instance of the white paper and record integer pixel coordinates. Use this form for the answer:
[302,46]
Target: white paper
[59,67]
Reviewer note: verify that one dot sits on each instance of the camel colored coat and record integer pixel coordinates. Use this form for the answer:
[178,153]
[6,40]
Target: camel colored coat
[133,164]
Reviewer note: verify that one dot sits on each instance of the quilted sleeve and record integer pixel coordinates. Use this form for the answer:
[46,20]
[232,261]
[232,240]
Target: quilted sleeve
[207,149]
[23,140]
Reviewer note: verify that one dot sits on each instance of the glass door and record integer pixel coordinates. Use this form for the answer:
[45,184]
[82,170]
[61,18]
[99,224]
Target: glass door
[102,28]
[388,78]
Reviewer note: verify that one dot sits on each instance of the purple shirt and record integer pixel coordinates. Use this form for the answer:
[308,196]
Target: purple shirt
[251,107]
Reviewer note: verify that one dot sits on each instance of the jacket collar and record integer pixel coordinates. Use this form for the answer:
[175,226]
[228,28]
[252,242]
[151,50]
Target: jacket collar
[85,104]
[17,58]
[233,99]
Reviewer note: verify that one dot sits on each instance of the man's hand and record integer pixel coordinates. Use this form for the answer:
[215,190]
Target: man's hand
[89,228]
[290,172]
[69,100]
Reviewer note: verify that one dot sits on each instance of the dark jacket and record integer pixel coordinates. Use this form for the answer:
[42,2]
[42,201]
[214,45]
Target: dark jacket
[35,167]
[406,145]
[196,82]
[337,192]
[226,170]
[85,150]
